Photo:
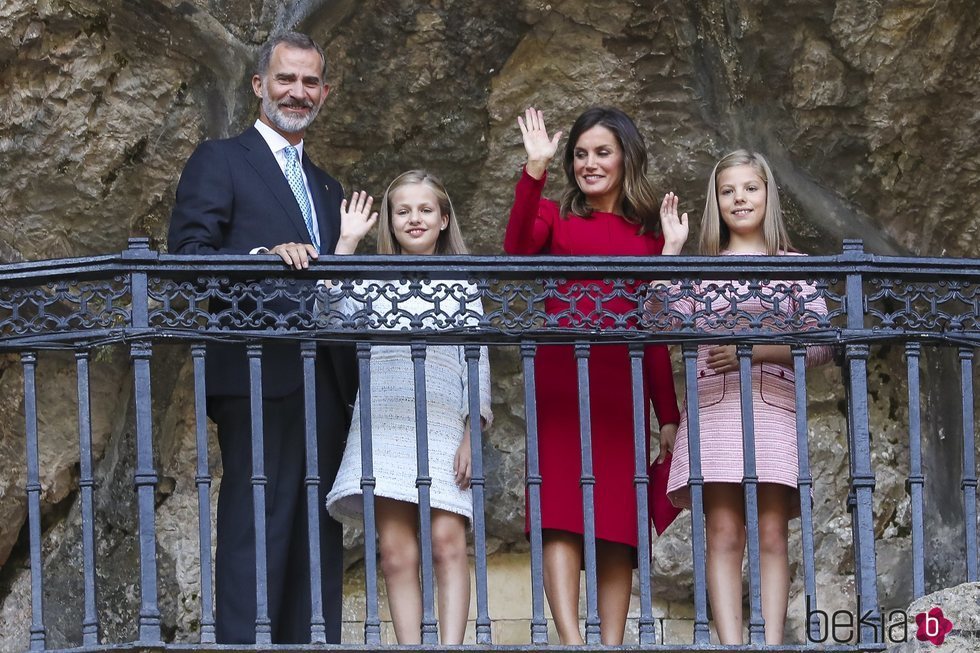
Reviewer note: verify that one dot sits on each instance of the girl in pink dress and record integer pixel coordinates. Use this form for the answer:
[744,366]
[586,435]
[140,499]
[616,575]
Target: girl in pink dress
[742,217]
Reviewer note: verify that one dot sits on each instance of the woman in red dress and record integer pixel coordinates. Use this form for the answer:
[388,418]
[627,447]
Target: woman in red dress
[608,208]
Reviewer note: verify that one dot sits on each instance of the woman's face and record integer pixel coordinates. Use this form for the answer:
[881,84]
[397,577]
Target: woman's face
[415,218]
[597,162]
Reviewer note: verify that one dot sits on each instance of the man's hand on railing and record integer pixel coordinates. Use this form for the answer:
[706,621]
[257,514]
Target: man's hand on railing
[675,227]
[295,255]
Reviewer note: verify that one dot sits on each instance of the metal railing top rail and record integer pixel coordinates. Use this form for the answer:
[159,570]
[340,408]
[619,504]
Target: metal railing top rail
[143,294]
[88,340]
[853,260]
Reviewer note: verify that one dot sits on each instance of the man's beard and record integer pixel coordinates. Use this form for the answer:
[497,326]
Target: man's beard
[283,122]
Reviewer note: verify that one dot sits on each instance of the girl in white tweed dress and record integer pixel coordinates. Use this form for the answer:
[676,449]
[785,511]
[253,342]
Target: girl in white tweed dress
[742,217]
[417,218]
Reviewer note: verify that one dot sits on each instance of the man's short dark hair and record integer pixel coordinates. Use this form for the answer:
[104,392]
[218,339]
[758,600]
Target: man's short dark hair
[293,40]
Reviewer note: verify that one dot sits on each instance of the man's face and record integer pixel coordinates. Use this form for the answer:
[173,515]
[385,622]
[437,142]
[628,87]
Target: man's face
[292,90]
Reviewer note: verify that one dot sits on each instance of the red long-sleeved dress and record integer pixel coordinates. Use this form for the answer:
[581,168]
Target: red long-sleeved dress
[535,227]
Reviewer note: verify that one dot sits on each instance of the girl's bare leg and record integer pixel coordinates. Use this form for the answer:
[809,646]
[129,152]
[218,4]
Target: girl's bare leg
[399,548]
[774,509]
[452,568]
[725,525]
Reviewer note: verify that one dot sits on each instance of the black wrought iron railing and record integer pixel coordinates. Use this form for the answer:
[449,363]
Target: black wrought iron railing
[852,302]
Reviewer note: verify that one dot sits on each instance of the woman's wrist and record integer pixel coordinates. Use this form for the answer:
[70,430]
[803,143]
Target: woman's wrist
[536,168]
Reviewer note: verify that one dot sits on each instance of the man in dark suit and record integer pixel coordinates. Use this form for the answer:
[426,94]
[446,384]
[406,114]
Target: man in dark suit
[259,193]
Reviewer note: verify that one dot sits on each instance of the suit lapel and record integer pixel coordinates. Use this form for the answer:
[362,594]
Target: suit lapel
[327,207]
[261,158]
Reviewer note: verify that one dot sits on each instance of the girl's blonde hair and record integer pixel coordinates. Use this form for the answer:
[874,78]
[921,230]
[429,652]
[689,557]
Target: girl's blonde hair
[714,232]
[450,240]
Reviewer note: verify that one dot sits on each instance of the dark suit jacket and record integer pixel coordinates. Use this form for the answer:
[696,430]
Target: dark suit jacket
[233,197]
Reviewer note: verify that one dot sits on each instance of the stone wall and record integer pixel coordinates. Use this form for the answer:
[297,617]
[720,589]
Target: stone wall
[867,111]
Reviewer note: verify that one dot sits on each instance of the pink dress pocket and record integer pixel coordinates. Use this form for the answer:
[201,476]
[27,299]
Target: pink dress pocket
[778,387]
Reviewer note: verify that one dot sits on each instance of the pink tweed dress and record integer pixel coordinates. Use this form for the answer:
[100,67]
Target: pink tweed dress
[773,391]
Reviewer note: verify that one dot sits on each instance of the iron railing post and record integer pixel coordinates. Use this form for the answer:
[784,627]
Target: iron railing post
[423,481]
[646,626]
[968,481]
[539,625]
[86,486]
[372,622]
[38,634]
[592,625]
[146,477]
[862,477]
[259,481]
[805,484]
[916,479]
[750,488]
[318,631]
[477,482]
[696,481]
[203,481]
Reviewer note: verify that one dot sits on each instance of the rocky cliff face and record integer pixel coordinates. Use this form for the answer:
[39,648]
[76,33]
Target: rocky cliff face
[866,110]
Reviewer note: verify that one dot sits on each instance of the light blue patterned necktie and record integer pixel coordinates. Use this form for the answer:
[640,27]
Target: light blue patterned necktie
[295,178]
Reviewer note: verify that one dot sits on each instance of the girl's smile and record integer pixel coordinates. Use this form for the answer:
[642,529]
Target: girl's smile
[415,219]
[742,204]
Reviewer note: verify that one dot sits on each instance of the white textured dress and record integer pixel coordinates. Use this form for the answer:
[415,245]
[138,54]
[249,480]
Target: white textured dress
[392,305]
